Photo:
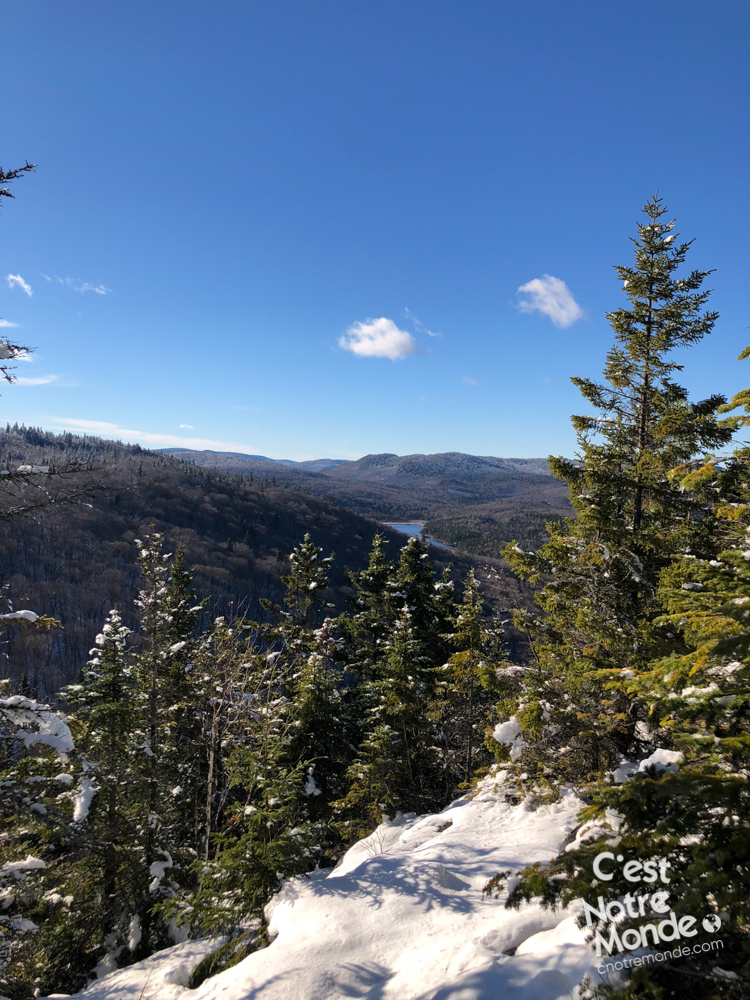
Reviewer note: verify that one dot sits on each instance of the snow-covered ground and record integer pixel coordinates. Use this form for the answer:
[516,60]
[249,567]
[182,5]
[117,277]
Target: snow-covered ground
[403,917]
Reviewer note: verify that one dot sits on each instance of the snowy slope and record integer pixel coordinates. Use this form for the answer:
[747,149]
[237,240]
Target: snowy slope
[403,918]
[163,976]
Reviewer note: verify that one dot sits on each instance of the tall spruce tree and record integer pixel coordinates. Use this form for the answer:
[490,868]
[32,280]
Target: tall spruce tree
[283,765]
[168,744]
[467,687]
[403,628]
[686,803]
[111,869]
[367,628]
[600,570]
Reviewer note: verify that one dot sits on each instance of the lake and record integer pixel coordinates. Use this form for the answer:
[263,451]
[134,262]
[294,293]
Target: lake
[416,528]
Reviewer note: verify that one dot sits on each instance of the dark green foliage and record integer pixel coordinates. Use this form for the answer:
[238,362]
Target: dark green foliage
[469,684]
[425,670]
[601,571]
[645,647]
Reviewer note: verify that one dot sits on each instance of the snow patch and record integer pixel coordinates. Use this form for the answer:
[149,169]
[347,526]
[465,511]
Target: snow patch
[403,917]
[29,616]
[28,864]
[158,869]
[82,802]
[662,760]
[163,976]
[510,734]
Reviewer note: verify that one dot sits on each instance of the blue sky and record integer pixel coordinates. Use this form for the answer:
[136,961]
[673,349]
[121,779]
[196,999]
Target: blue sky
[229,195]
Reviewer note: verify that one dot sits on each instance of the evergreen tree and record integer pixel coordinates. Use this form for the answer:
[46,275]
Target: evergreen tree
[694,811]
[601,570]
[321,724]
[107,875]
[430,605]
[671,733]
[400,642]
[264,831]
[41,784]
[686,804]
[306,581]
[469,681]
[282,768]
[169,748]
[367,629]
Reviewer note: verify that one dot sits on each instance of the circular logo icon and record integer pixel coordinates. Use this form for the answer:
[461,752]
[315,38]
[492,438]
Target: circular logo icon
[711,923]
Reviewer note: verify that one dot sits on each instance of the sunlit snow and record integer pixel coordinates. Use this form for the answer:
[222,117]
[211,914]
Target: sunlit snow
[403,917]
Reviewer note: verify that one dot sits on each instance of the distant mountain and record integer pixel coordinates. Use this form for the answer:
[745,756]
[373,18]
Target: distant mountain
[455,466]
[320,464]
[476,502]
[230,454]
[313,465]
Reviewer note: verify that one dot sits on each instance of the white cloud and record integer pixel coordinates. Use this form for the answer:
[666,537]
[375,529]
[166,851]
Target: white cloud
[16,279]
[187,427]
[378,338]
[552,297]
[419,325]
[468,381]
[38,380]
[5,323]
[83,286]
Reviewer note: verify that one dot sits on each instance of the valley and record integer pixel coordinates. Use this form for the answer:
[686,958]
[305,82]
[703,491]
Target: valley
[74,562]
[475,503]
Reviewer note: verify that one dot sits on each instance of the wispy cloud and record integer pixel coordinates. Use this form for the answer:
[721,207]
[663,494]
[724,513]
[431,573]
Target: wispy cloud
[105,429]
[38,380]
[15,280]
[379,338]
[82,286]
[6,324]
[187,427]
[419,325]
[552,297]
[468,381]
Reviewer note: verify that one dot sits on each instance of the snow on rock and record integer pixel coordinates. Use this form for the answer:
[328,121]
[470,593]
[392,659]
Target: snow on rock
[624,771]
[164,976]
[403,917]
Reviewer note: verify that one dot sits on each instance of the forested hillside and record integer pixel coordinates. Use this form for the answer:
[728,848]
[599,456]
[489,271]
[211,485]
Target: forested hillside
[74,562]
[477,503]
